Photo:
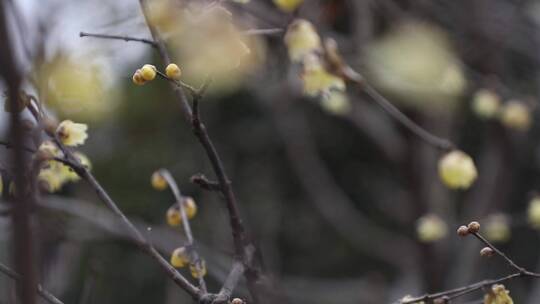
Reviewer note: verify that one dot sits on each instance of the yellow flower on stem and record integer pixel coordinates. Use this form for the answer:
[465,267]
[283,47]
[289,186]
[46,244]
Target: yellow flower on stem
[72,134]
[148,72]
[137,78]
[174,217]
[498,295]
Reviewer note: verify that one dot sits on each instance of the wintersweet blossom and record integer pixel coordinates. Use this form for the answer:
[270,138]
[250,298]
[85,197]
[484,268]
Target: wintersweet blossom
[71,133]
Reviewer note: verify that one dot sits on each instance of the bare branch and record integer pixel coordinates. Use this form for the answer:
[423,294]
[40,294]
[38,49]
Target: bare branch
[40,290]
[458,292]
[118,37]
[139,239]
[185,222]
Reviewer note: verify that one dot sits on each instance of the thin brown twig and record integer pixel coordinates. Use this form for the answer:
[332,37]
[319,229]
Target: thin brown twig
[118,37]
[460,291]
[46,295]
[241,242]
[203,182]
[139,239]
[185,222]
[345,71]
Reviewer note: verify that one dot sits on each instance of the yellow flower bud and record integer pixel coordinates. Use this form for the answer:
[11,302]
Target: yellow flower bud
[179,257]
[457,170]
[430,228]
[174,217]
[137,78]
[148,72]
[72,134]
[497,228]
[533,212]
[173,71]
[302,39]
[516,115]
[198,272]
[158,181]
[486,103]
[288,5]
[190,206]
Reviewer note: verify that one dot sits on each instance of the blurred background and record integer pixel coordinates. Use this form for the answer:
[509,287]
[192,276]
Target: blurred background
[345,204]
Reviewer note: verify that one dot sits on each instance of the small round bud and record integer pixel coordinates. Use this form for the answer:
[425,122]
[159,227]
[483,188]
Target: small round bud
[173,71]
[198,271]
[138,78]
[463,231]
[487,252]
[473,227]
[174,218]
[158,181]
[237,301]
[191,207]
[179,257]
[148,72]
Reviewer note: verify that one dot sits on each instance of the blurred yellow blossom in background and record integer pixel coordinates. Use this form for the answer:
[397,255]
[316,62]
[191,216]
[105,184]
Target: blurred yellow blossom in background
[76,88]
[497,228]
[516,115]
[207,43]
[415,63]
[457,170]
[486,103]
[430,228]
[533,212]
